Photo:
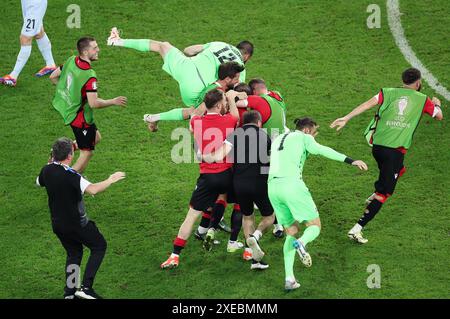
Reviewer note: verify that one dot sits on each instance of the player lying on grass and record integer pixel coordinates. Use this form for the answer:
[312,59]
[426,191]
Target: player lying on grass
[289,195]
[33,12]
[210,130]
[228,77]
[271,106]
[195,68]
[76,97]
[249,149]
[391,133]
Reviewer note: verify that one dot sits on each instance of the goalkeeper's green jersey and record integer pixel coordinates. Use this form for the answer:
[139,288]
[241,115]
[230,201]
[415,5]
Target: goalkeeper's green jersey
[201,96]
[212,56]
[290,150]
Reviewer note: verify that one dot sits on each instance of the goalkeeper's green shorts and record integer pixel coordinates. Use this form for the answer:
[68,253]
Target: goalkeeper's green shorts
[291,201]
[184,71]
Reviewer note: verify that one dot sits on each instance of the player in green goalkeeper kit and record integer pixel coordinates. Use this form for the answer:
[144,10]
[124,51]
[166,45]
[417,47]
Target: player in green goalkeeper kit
[289,195]
[228,76]
[194,68]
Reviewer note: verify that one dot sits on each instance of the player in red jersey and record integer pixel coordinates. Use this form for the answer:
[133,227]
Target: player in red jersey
[210,130]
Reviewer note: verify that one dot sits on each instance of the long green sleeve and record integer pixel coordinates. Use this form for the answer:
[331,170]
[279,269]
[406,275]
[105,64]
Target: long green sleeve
[317,149]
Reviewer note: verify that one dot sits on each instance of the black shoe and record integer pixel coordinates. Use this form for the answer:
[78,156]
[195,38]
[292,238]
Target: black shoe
[69,293]
[87,293]
[278,231]
[199,236]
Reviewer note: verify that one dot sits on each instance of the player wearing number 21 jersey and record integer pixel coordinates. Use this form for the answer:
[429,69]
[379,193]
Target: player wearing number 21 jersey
[33,12]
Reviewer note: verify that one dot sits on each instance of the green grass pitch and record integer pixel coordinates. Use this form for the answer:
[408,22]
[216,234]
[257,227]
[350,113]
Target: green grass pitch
[322,57]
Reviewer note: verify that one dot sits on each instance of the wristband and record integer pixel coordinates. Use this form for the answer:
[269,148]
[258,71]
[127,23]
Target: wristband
[349,160]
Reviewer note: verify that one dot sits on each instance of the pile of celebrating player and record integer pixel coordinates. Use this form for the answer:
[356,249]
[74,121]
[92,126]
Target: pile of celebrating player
[247,154]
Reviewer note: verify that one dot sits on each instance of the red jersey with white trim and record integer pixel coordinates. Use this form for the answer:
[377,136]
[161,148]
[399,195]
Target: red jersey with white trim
[210,131]
[429,109]
[90,86]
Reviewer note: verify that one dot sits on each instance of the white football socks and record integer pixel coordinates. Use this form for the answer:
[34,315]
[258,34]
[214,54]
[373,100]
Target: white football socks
[257,234]
[202,230]
[356,229]
[22,58]
[46,50]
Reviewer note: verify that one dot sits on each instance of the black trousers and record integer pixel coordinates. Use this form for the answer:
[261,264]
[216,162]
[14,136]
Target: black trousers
[390,164]
[73,242]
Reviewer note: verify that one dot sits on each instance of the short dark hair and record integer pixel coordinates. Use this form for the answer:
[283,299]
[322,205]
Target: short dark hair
[252,116]
[212,98]
[246,47]
[84,43]
[301,123]
[254,82]
[411,75]
[229,69]
[62,148]
[243,87]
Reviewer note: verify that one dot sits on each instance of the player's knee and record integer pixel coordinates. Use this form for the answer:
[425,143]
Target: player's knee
[314,222]
[87,153]
[99,247]
[40,35]
[292,230]
[382,198]
[164,47]
[98,138]
[25,40]
[222,197]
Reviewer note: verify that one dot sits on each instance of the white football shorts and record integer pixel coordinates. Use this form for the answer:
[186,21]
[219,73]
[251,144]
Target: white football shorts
[33,12]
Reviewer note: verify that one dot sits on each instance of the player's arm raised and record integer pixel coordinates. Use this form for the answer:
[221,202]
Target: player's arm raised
[231,98]
[193,50]
[342,121]
[96,188]
[97,103]
[438,110]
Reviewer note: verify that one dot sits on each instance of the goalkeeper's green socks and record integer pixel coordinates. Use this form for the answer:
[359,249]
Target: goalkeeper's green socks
[142,45]
[289,257]
[172,115]
[310,234]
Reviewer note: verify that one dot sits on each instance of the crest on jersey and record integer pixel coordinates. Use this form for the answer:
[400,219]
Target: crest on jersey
[402,104]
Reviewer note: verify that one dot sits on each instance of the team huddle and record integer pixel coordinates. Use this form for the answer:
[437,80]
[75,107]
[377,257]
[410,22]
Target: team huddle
[248,156]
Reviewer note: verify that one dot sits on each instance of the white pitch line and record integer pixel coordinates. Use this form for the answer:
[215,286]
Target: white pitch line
[395,25]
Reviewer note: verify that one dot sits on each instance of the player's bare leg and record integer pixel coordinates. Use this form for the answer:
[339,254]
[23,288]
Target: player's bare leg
[85,156]
[183,235]
[265,223]
[253,236]
[83,160]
